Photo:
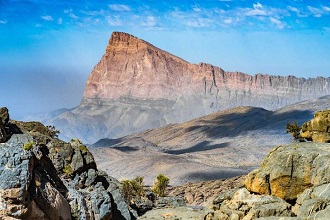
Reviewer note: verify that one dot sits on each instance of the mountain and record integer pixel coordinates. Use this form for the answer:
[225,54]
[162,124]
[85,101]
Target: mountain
[220,145]
[137,86]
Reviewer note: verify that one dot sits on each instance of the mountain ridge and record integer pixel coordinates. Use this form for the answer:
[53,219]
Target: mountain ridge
[137,86]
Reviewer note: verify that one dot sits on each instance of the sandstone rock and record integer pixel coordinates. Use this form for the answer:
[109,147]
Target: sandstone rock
[318,129]
[288,170]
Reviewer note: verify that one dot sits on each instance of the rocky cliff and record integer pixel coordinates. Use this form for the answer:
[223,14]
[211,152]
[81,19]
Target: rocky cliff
[137,86]
[44,178]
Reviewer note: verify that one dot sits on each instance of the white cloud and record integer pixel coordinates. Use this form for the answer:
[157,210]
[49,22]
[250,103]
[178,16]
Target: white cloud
[228,21]
[3,22]
[67,11]
[256,11]
[59,21]
[279,24]
[198,22]
[257,6]
[294,9]
[47,18]
[71,15]
[315,11]
[197,9]
[150,22]
[114,21]
[119,8]
[326,8]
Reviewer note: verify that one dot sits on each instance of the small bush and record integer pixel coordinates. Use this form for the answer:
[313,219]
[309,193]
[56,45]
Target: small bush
[28,146]
[160,185]
[68,170]
[294,130]
[132,188]
[52,131]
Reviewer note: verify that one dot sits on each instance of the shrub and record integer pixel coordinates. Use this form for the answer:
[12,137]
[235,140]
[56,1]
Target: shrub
[52,131]
[160,185]
[294,129]
[68,170]
[28,146]
[132,188]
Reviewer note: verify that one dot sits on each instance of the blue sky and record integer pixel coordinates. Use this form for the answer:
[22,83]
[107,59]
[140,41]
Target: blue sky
[48,48]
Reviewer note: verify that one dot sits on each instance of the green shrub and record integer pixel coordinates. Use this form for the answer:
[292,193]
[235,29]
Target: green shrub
[294,130]
[160,185]
[52,131]
[132,188]
[28,146]
[68,170]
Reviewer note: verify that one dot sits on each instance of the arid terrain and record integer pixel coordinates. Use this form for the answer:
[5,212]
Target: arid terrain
[220,145]
[137,86]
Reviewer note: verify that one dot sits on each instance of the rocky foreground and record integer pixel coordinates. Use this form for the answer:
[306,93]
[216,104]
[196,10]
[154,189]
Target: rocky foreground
[43,177]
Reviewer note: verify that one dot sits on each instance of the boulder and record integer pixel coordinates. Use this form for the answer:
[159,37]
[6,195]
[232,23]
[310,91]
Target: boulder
[317,129]
[314,203]
[288,170]
[245,205]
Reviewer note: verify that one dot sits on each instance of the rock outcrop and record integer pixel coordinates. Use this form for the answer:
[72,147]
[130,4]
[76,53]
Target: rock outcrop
[288,170]
[45,178]
[291,183]
[317,129]
[137,86]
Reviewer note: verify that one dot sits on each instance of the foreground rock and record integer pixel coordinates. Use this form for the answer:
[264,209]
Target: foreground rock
[288,170]
[45,178]
[317,129]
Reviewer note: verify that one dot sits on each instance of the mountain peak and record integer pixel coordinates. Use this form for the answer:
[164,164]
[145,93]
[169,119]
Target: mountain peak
[121,40]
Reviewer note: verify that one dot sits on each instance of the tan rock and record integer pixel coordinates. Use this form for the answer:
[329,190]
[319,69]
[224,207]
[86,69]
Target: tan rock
[318,129]
[289,170]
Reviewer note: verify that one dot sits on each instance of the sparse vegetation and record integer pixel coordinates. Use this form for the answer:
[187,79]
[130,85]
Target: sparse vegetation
[28,146]
[160,185]
[294,129]
[132,188]
[52,131]
[68,170]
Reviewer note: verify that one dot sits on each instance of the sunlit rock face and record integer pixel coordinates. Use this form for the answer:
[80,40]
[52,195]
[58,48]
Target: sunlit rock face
[137,86]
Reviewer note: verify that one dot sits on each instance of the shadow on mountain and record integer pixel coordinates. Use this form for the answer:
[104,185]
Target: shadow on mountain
[220,174]
[106,142]
[202,146]
[126,149]
[234,124]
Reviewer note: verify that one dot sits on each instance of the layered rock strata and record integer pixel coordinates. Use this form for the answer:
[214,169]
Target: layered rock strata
[137,86]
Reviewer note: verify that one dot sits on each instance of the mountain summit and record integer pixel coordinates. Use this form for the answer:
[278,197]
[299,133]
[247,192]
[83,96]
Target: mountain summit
[137,86]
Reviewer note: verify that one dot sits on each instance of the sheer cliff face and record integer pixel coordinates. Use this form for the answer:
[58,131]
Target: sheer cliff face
[137,86]
[136,69]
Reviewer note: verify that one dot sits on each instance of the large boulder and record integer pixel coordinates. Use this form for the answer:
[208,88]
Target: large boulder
[314,203]
[288,170]
[317,129]
[245,205]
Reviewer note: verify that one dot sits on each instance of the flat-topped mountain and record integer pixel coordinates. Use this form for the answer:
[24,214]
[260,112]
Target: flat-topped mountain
[137,86]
